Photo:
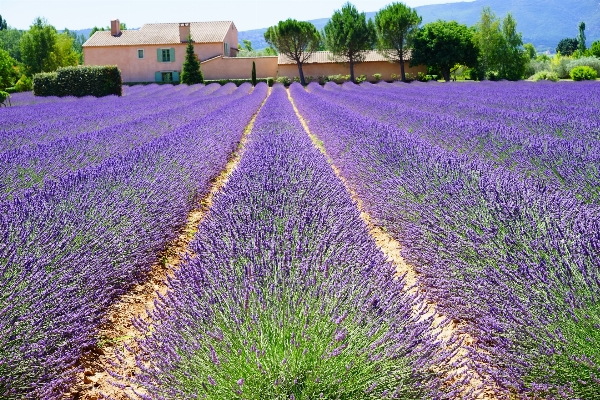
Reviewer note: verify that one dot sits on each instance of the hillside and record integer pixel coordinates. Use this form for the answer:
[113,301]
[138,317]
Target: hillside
[543,22]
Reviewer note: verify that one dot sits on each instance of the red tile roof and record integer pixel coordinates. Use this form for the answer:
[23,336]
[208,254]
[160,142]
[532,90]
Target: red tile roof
[167,33]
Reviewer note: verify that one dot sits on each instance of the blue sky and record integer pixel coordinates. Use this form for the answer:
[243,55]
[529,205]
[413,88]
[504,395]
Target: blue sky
[246,14]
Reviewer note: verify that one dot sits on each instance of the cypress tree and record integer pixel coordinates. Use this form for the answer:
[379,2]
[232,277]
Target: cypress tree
[253,73]
[191,73]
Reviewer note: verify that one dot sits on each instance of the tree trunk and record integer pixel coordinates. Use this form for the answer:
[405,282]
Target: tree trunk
[402,74]
[351,70]
[301,73]
[446,73]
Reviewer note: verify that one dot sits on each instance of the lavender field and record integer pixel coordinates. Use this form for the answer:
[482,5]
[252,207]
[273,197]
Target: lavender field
[491,189]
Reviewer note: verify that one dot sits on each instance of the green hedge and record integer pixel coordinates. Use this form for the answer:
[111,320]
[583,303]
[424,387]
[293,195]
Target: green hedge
[79,81]
[238,82]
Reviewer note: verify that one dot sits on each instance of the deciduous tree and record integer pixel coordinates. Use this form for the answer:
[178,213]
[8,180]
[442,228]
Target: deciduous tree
[349,35]
[567,46]
[297,40]
[6,70]
[489,40]
[396,26]
[530,50]
[191,73]
[513,58]
[442,45]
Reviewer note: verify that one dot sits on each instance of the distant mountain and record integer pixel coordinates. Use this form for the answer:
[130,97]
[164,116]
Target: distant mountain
[543,22]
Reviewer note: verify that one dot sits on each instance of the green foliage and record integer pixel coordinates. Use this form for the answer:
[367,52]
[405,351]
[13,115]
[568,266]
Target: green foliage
[6,69]
[377,77]
[349,35]
[396,26]
[78,41]
[238,82]
[253,73]
[444,44]
[545,76]
[530,50]
[3,24]
[79,81]
[191,73]
[247,45]
[583,73]
[567,46]
[24,84]
[581,38]
[595,49]
[592,62]
[297,40]
[44,50]
[4,98]
[267,52]
[10,40]
[574,365]
[501,55]
[95,29]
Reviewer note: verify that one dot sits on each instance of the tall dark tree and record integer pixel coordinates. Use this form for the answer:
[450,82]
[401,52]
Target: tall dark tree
[191,73]
[444,44]
[567,46]
[349,35]
[514,57]
[253,73]
[396,26]
[297,40]
[581,38]
[3,24]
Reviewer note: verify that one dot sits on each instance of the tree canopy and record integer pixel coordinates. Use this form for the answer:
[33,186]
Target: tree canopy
[349,35]
[44,50]
[530,50]
[595,48]
[3,24]
[443,44]
[190,73]
[6,70]
[396,26]
[581,38]
[297,40]
[10,40]
[567,46]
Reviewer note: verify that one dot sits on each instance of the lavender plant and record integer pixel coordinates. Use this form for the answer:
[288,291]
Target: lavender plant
[287,296]
[69,247]
[511,254]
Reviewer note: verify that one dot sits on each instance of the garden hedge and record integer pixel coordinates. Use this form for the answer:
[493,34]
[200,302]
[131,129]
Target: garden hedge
[238,82]
[79,81]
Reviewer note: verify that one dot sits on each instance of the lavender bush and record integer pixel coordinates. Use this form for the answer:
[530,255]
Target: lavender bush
[510,252]
[287,296]
[70,246]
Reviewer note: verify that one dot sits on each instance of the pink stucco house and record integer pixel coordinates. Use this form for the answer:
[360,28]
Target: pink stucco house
[155,52]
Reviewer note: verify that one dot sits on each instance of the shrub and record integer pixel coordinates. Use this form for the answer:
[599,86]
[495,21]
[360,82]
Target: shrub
[560,65]
[537,65]
[376,77]
[24,84]
[592,62]
[79,81]
[361,78]
[4,97]
[421,77]
[238,82]
[583,73]
[338,78]
[545,76]
[284,79]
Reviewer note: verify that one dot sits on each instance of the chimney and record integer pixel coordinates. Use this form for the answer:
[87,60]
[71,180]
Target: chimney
[115,27]
[184,31]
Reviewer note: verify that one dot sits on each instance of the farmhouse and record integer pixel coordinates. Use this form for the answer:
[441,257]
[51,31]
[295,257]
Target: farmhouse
[155,53]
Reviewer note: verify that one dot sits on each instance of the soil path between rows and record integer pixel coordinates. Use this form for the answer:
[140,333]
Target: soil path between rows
[95,382]
[391,248]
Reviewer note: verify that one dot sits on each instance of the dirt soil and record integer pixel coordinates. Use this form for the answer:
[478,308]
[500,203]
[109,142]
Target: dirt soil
[391,248]
[94,382]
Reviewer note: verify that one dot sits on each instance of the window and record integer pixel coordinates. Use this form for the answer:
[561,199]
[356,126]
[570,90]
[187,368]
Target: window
[140,53]
[166,55]
[226,49]
[167,77]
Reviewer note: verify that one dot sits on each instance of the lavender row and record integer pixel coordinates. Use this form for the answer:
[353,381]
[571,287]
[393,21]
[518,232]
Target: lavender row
[70,248]
[33,165]
[287,295]
[512,257]
[37,124]
[570,163]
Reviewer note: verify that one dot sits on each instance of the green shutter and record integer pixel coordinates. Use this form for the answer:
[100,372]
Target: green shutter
[172,51]
[158,76]
[175,76]
[159,55]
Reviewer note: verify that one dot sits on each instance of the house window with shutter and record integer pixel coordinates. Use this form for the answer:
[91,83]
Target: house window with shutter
[226,49]
[140,53]
[166,55]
